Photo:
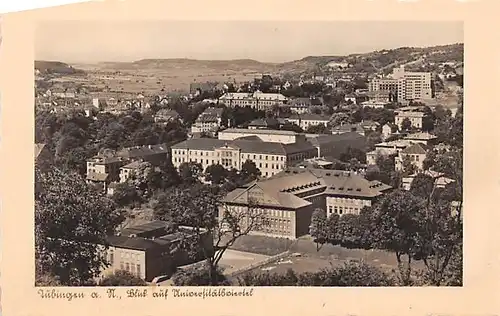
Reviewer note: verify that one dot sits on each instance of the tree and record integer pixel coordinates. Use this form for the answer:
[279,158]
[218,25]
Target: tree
[408,166]
[249,171]
[199,276]
[198,207]
[71,221]
[318,129]
[122,278]
[406,125]
[352,273]
[126,194]
[190,172]
[216,174]
[339,119]
[397,220]
[422,185]
[353,153]
[318,228]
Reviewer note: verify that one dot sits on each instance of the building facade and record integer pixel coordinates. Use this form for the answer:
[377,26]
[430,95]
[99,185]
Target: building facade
[270,158]
[287,200]
[307,120]
[407,86]
[147,250]
[257,100]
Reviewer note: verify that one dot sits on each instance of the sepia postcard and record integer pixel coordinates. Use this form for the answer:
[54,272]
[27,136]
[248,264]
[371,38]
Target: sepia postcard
[249,158]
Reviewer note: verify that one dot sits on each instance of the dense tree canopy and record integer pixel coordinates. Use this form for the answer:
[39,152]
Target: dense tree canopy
[71,221]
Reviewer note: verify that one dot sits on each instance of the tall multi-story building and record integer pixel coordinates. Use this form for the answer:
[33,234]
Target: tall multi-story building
[288,199]
[406,86]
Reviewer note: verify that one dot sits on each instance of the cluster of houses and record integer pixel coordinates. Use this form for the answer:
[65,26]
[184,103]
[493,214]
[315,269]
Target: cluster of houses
[107,169]
[296,167]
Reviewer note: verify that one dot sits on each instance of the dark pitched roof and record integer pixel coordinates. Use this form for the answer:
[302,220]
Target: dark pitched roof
[415,149]
[247,146]
[167,113]
[284,188]
[325,139]
[300,102]
[251,137]
[266,122]
[143,151]
[95,176]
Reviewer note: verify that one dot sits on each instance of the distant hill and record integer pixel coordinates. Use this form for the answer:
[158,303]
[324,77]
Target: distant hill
[376,61]
[56,67]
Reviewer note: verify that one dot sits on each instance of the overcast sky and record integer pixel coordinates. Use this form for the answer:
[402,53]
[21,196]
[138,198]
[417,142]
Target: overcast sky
[93,41]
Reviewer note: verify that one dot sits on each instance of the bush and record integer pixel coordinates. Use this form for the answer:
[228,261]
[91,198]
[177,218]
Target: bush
[122,278]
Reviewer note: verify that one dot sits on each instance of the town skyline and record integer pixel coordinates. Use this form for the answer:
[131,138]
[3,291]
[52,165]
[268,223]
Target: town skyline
[265,42]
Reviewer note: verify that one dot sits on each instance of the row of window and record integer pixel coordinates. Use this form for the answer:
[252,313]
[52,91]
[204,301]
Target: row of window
[343,210]
[134,269]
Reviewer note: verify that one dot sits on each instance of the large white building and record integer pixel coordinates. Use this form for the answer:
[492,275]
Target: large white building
[288,199]
[269,157]
[406,85]
[257,100]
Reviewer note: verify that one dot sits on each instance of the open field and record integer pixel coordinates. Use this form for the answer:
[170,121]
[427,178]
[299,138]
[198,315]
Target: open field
[304,257]
[234,260]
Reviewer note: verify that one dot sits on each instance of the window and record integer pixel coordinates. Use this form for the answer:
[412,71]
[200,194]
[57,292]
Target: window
[111,257]
[138,269]
[127,266]
[260,157]
[266,165]
[122,267]
[267,157]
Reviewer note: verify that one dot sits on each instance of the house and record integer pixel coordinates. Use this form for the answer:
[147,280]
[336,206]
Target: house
[165,116]
[374,104]
[347,128]
[208,122]
[338,65]
[416,155]
[269,157]
[146,250]
[423,138]
[197,88]
[440,180]
[299,105]
[265,123]
[307,120]
[103,170]
[369,125]
[378,96]
[127,170]
[288,199]
[350,97]
[154,154]
[414,114]
[388,129]
[386,149]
